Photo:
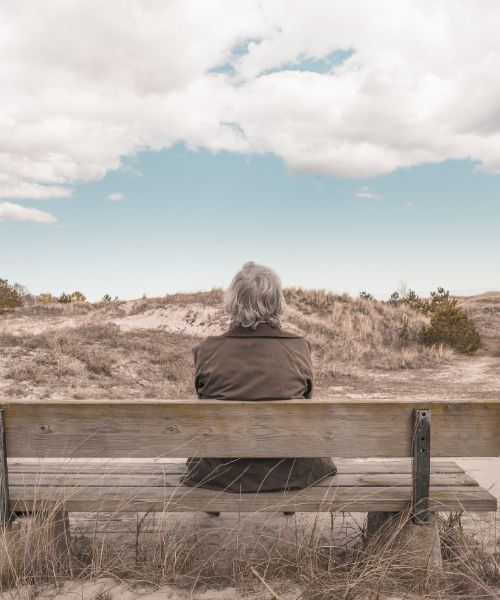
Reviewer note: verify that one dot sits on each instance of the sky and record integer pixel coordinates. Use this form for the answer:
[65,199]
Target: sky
[148,148]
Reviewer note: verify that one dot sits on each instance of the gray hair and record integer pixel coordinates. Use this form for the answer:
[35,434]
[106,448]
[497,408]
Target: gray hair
[255,296]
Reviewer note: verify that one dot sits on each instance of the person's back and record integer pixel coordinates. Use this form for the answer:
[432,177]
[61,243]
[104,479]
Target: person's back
[255,360]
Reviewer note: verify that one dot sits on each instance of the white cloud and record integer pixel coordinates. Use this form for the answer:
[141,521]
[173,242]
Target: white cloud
[116,197]
[16,212]
[365,192]
[114,78]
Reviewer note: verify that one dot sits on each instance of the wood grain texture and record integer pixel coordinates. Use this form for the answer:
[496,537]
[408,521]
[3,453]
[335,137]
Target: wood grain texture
[345,465]
[421,465]
[108,479]
[5,513]
[301,428]
[159,499]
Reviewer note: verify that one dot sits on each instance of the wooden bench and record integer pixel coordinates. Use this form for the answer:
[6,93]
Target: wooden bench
[48,446]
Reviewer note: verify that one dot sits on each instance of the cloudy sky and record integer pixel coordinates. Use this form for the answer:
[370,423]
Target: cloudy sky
[149,147]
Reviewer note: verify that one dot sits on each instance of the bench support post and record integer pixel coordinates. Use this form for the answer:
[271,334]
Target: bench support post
[61,531]
[419,535]
[421,465]
[416,544]
[5,514]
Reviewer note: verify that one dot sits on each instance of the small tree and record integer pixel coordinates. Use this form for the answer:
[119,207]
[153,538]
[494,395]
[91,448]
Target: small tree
[394,299]
[449,324]
[9,296]
[64,298]
[27,298]
[106,298]
[78,297]
[366,295]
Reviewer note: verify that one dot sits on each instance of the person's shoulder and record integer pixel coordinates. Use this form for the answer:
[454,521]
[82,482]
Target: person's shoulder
[299,340]
[295,339]
[292,335]
[209,342]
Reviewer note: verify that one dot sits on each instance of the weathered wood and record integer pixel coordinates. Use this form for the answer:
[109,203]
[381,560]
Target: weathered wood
[345,465]
[421,465]
[61,531]
[107,478]
[154,428]
[417,545]
[314,499]
[5,514]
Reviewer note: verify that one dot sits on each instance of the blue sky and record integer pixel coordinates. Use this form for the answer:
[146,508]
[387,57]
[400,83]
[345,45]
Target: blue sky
[154,147]
[188,220]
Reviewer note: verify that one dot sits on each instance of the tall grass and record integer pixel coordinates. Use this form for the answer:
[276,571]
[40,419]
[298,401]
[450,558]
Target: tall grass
[317,553]
[95,359]
[352,335]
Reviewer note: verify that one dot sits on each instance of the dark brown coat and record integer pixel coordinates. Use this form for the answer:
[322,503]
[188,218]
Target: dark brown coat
[246,364]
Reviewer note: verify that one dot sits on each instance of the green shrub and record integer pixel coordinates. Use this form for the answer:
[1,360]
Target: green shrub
[73,297]
[64,298]
[410,297]
[9,296]
[78,297]
[449,324]
[366,295]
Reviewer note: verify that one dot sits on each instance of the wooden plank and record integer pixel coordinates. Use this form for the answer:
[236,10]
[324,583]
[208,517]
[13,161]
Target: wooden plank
[312,499]
[351,466]
[179,428]
[421,465]
[5,514]
[109,479]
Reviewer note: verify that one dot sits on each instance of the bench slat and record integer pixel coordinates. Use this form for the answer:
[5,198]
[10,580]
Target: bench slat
[395,466]
[313,499]
[172,480]
[301,428]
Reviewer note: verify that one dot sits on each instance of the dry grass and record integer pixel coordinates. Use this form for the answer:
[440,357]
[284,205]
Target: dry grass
[94,358]
[211,298]
[247,556]
[98,360]
[484,310]
[352,335]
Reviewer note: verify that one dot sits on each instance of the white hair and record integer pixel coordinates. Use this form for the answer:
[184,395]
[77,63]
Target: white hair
[255,296]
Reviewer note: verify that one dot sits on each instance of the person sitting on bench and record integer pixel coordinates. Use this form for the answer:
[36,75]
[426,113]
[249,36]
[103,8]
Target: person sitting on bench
[254,360]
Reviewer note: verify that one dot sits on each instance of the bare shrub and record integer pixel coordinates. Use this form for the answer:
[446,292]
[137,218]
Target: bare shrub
[45,298]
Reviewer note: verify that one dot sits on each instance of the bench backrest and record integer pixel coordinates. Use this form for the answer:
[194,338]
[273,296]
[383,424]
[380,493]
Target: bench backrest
[279,428]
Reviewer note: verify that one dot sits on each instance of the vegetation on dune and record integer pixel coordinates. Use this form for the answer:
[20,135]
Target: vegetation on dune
[350,335]
[10,297]
[45,298]
[449,323]
[248,555]
[99,360]
[90,356]
[73,297]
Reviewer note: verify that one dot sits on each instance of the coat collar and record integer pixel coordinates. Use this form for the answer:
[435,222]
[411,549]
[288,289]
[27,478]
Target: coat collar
[262,330]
